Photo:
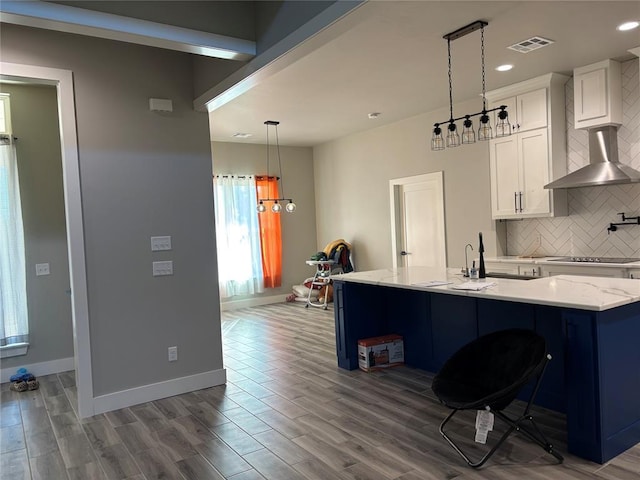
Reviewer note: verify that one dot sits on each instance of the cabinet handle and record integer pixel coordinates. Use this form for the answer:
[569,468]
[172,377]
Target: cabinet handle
[403,253]
[515,201]
[520,195]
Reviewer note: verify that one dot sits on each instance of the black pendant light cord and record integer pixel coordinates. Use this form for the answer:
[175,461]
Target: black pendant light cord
[461,32]
[279,164]
[281,185]
[450,82]
[267,125]
[484,98]
[276,208]
[279,178]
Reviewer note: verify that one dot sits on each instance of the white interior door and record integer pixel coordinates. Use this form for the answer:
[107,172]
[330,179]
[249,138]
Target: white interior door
[418,221]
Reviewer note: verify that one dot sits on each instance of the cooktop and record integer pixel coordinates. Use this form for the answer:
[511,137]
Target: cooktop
[595,260]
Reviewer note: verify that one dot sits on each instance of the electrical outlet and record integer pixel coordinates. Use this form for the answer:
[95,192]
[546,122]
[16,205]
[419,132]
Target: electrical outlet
[173,354]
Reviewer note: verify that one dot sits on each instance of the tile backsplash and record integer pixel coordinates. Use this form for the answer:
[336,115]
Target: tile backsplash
[584,231]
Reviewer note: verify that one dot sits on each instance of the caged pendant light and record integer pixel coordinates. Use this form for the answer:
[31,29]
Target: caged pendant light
[290,207]
[453,139]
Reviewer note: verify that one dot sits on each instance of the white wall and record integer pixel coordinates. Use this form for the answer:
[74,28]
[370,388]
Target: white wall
[352,187]
[363,163]
[299,228]
[142,174]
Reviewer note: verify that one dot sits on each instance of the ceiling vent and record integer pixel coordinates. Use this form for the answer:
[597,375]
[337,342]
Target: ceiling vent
[533,43]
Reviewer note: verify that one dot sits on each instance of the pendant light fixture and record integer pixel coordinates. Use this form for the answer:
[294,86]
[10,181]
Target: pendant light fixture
[503,128]
[290,207]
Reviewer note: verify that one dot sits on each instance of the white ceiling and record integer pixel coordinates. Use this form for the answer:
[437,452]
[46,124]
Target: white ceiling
[393,60]
[390,57]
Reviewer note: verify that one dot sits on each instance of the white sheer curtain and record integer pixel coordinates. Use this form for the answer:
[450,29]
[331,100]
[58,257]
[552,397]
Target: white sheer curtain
[13,287]
[237,235]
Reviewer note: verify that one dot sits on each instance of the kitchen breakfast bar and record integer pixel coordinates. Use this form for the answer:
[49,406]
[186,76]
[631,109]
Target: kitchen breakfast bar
[591,324]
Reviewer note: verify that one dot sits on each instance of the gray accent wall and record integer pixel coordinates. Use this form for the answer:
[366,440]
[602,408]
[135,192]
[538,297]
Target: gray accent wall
[277,19]
[298,228]
[34,114]
[142,174]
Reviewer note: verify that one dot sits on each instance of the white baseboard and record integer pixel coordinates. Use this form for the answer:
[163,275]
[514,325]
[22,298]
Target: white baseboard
[252,302]
[41,368]
[156,391]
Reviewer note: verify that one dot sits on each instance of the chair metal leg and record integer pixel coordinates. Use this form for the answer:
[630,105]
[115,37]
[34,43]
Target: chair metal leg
[534,434]
[486,457]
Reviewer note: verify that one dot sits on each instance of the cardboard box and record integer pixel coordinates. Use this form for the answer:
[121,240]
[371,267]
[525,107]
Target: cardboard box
[376,353]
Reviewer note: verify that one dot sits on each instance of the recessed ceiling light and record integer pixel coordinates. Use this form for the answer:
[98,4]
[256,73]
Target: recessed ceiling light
[374,115]
[623,27]
[504,68]
[241,135]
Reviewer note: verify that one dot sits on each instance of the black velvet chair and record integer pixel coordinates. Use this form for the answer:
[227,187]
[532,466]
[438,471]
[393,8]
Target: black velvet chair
[488,373]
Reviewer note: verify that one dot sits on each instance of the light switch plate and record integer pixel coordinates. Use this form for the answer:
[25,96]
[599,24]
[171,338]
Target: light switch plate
[160,105]
[173,354]
[42,269]
[162,268]
[160,243]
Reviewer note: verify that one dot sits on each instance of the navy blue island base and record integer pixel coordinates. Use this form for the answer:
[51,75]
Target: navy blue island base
[594,376]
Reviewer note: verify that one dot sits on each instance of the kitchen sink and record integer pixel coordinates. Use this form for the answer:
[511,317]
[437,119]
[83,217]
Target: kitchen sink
[513,276]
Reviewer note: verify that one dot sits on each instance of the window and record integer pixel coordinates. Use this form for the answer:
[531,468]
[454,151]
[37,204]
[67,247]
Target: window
[249,244]
[14,330]
[5,114]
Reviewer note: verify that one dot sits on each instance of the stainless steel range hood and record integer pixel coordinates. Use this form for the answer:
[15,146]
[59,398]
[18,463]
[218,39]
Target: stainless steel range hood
[604,167]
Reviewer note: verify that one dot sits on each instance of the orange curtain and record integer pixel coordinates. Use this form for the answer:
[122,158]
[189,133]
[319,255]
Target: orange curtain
[270,234]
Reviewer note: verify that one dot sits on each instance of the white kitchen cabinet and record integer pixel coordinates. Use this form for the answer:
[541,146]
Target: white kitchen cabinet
[534,155]
[501,267]
[528,268]
[519,168]
[527,111]
[549,270]
[633,273]
[505,176]
[597,94]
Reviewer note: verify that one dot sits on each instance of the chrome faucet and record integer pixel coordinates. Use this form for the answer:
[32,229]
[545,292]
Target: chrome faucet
[465,272]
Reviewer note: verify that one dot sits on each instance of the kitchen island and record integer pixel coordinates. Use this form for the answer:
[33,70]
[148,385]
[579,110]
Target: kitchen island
[591,324]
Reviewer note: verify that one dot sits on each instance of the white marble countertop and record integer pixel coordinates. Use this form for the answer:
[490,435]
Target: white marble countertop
[551,261]
[571,291]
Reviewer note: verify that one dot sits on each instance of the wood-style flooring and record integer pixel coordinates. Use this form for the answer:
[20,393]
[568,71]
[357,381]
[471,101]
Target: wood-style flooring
[287,412]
